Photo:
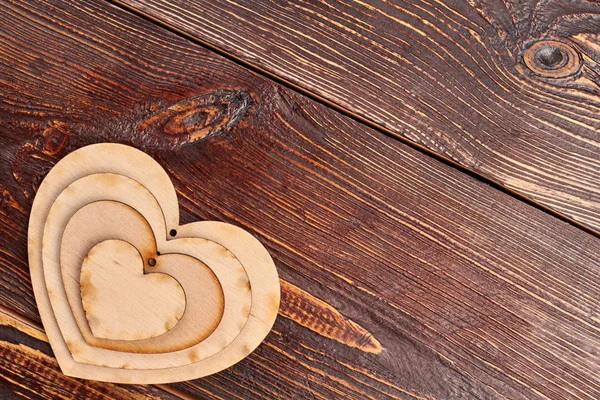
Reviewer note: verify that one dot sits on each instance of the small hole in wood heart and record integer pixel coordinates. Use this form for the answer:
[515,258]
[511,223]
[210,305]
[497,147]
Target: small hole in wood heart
[173,232]
[152,262]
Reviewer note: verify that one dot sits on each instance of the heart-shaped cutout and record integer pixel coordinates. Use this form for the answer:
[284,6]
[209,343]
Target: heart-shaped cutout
[133,195]
[120,302]
[98,220]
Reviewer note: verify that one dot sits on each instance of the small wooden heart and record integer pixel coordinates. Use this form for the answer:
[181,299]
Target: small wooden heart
[123,303]
[126,294]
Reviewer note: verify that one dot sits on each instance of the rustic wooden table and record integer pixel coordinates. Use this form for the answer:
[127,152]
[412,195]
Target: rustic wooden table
[425,174]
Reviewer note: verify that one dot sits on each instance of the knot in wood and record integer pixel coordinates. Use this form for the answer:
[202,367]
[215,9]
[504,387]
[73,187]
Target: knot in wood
[552,59]
[198,117]
[55,139]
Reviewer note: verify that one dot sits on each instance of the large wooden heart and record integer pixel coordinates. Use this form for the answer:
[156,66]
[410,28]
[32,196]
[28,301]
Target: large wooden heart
[126,294]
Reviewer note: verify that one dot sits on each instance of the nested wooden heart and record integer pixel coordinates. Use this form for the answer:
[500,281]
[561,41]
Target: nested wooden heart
[121,299]
[151,306]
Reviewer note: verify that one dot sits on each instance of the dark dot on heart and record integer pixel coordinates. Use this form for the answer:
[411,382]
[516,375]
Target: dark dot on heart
[173,232]
[152,262]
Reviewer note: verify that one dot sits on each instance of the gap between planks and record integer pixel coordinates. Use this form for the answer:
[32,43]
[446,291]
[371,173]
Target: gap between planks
[340,109]
[172,390]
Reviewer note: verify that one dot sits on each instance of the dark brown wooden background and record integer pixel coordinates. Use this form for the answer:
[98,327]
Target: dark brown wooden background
[430,194]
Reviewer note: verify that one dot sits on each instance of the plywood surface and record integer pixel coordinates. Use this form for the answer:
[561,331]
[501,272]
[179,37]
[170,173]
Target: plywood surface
[401,277]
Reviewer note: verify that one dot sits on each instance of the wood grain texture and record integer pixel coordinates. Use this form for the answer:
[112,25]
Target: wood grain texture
[448,75]
[469,292]
[318,316]
[28,370]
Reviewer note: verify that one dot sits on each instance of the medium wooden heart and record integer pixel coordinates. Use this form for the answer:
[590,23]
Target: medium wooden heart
[125,293]
[115,220]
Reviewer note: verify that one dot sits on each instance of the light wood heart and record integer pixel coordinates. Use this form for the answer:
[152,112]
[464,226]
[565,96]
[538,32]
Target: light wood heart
[120,302]
[109,264]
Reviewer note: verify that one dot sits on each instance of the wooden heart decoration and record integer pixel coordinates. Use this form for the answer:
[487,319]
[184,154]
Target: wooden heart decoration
[152,305]
[126,294]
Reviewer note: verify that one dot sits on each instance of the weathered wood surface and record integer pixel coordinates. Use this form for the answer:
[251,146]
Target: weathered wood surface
[29,370]
[401,276]
[460,78]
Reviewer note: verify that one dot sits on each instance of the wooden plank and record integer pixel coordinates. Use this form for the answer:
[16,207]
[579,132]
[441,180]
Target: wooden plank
[402,277]
[28,370]
[451,76]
